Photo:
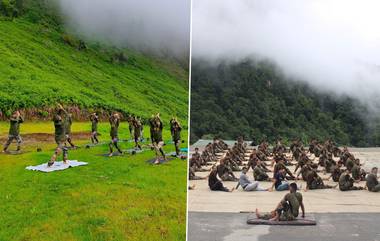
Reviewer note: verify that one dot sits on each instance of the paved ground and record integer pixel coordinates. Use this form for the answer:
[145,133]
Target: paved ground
[317,201]
[330,227]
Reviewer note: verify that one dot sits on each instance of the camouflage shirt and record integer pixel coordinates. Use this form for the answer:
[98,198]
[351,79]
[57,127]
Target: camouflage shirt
[294,200]
[14,128]
[372,181]
[59,128]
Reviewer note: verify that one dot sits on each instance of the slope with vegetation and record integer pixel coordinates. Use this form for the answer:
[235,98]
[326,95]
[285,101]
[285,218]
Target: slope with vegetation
[42,65]
[254,99]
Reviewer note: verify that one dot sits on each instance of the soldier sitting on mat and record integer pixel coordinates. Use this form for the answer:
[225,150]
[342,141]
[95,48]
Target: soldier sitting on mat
[287,209]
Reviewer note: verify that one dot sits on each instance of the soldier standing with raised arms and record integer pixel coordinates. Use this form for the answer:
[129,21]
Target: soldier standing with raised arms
[14,130]
[175,129]
[68,121]
[60,134]
[114,122]
[94,118]
[137,131]
[156,127]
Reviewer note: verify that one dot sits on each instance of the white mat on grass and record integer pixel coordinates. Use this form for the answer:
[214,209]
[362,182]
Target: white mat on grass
[57,166]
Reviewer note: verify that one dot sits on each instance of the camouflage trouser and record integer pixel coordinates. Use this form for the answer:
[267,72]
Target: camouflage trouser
[94,137]
[349,187]
[266,216]
[376,188]
[157,145]
[261,177]
[10,139]
[60,147]
[227,177]
[285,212]
[114,141]
[177,144]
[317,185]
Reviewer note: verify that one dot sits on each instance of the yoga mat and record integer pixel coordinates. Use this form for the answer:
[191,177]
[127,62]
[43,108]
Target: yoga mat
[298,222]
[113,154]
[57,166]
[151,161]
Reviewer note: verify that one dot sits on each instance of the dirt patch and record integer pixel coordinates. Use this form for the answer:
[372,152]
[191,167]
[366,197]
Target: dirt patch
[46,137]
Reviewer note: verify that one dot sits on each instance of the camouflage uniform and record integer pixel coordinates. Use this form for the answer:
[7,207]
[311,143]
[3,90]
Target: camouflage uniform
[114,122]
[259,174]
[290,206]
[14,132]
[68,121]
[346,183]
[137,131]
[94,128]
[372,183]
[59,136]
[175,129]
[156,127]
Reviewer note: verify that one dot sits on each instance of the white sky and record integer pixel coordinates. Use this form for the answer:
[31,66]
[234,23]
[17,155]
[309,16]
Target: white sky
[332,44]
[162,25]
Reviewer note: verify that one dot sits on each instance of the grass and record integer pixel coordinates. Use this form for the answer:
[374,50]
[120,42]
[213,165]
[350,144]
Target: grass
[118,198]
[38,69]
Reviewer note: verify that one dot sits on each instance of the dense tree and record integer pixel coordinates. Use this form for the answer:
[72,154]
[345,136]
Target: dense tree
[254,99]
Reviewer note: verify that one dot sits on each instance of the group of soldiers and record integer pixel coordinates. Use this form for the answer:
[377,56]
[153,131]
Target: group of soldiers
[339,164]
[62,120]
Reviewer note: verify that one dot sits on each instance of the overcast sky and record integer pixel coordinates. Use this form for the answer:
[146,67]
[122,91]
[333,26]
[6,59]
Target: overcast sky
[160,25]
[332,44]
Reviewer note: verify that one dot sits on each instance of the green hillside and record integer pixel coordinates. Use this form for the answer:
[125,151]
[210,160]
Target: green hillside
[256,100]
[41,65]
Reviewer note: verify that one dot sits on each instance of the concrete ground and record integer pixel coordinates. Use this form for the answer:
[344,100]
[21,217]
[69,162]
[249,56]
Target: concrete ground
[352,215]
[317,201]
[330,227]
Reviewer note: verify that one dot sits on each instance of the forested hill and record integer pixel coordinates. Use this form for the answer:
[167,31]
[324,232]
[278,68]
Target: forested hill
[255,100]
[42,64]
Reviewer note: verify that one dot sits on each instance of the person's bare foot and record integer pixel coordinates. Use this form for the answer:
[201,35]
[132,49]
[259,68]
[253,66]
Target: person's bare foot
[192,187]
[66,161]
[257,213]
[157,162]
[232,189]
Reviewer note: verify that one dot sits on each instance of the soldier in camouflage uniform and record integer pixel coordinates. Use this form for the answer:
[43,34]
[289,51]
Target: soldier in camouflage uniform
[68,121]
[114,122]
[60,135]
[14,130]
[141,129]
[156,127]
[371,182]
[288,208]
[175,129]
[259,173]
[94,118]
[346,183]
[137,132]
[130,125]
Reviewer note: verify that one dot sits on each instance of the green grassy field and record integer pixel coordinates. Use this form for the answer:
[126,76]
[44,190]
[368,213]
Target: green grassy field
[38,69]
[118,198]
